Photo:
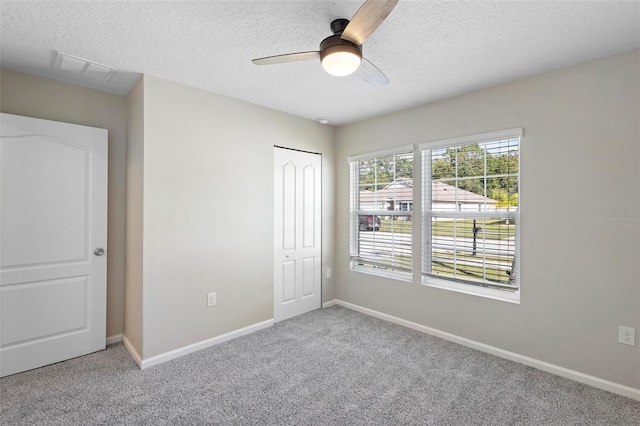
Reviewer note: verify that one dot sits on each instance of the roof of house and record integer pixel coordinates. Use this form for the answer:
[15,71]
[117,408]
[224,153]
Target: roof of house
[401,190]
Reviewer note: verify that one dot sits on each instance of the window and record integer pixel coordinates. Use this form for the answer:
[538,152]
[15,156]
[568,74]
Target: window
[471,214]
[381,213]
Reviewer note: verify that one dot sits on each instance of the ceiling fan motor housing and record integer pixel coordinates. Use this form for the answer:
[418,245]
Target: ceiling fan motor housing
[335,44]
[338,26]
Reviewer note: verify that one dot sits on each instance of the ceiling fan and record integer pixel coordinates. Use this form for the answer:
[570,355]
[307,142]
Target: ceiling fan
[341,53]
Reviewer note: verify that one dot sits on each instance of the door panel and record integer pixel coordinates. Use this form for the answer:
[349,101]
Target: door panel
[288,185]
[288,286]
[308,205]
[27,311]
[297,228]
[308,276]
[52,217]
[49,227]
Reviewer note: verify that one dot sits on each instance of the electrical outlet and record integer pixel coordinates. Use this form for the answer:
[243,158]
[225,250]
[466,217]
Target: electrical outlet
[627,336]
[211,299]
[328,273]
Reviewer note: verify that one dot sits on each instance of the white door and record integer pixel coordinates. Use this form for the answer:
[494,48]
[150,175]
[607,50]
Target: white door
[298,241]
[53,218]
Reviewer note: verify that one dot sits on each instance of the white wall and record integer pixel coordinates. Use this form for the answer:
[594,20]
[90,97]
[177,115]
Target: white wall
[193,154]
[22,94]
[196,243]
[208,211]
[134,291]
[580,157]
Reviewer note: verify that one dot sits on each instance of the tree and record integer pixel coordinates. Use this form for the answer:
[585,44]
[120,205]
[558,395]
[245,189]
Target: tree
[461,162]
[441,168]
[505,200]
[464,167]
[469,167]
[377,173]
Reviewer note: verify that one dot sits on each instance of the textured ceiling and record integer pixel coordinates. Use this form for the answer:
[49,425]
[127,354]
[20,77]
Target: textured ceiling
[429,49]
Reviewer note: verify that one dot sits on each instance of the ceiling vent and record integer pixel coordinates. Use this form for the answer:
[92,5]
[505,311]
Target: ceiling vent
[83,67]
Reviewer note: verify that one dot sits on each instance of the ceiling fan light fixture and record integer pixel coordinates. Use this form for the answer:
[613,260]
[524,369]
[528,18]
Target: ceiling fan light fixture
[341,63]
[339,57]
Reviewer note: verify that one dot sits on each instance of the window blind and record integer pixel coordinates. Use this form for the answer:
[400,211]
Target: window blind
[471,211]
[382,212]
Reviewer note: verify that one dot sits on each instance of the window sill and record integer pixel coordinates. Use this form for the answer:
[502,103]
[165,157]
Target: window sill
[400,276]
[490,293]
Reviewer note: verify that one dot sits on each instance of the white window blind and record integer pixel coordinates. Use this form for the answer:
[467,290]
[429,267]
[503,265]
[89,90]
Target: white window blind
[471,211]
[381,213]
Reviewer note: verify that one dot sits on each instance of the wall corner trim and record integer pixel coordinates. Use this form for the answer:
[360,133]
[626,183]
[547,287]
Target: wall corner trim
[577,376]
[116,338]
[185,350]
[132,351]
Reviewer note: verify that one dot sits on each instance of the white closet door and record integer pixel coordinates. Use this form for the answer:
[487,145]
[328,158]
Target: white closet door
[298,237]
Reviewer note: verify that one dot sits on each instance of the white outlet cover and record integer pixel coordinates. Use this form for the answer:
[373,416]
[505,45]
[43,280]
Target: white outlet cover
[211,299]
[627,336]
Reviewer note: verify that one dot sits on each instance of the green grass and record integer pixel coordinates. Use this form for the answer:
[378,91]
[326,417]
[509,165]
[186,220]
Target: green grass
[504,260]
[494,229]
[470,272]
[400,226]
[443,264]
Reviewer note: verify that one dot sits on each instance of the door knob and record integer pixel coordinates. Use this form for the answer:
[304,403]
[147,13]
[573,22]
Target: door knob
[99,251]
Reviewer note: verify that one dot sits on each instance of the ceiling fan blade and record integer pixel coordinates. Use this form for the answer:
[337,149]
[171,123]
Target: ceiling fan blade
[371,74]
[367,19]
[288,57]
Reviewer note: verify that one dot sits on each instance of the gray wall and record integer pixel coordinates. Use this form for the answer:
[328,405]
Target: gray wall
[580,157]
[208,211]
[22,94]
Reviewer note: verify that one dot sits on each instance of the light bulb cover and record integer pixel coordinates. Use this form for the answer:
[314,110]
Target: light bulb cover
[339,57]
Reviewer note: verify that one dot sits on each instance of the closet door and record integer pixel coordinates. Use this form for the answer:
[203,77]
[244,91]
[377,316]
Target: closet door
[297,229]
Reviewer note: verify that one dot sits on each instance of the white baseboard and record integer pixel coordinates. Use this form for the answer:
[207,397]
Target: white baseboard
[596,382]
[116,338]
[176,353]
[132,351]
[329,304]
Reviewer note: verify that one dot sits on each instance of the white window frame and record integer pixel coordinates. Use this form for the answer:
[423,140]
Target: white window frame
[459,285]
[354,212]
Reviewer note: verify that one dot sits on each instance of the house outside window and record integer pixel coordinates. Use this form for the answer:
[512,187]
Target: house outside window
[406,205]
[381,211]
[471,210]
